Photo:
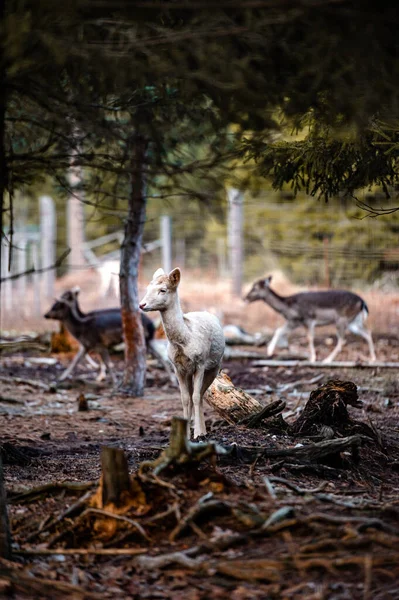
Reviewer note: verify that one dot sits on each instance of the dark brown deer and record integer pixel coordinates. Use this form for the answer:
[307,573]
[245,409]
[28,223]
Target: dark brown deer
[98,330]
[347,311]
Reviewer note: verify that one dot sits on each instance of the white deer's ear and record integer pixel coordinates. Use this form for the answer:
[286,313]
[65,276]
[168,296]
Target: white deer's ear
[158,273]
[174,277]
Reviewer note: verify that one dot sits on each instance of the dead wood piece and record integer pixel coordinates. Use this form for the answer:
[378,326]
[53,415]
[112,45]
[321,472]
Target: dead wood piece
[104,513]
[165,560]
[320,365]
[29,382]
[230,402]
[314,453]
[83,405]
[296,489]
[272,409]
[199,510]
[32,494]
[80,551]
[252,569]
[20,345]
[37,588]
[180,451]
[47,525]
[182,558]
[9,400]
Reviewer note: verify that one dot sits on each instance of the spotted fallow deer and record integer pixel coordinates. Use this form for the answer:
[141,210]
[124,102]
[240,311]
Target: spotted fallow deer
[196,344]
[345,310]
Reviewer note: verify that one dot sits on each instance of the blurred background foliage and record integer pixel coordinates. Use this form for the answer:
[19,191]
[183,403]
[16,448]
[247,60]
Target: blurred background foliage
[299,96]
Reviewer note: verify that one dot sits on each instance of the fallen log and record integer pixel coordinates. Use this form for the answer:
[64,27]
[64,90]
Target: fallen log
[349,364]
[230,402]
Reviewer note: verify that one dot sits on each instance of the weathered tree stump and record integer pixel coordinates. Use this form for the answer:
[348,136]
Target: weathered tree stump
[230,402]
[5,536]
[62,341]
[180,450]
[115,472]
[326,412]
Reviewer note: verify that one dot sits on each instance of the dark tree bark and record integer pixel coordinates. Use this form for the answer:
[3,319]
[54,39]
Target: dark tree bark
[135,348]
[3,159]
[5,537]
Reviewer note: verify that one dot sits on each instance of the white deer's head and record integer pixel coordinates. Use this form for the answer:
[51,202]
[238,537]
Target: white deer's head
[161,291]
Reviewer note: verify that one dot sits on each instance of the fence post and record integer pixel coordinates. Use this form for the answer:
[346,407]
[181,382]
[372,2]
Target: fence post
[21,282]
[47,242]
[166,239]
[75,217]
[235,231]
[36,279]
[6,286]
[221,254]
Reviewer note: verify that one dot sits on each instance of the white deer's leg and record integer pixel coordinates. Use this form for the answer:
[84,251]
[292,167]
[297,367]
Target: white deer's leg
[199,423]
[209,377]
[280,332]
[76,360]
[358,328]
[185,395]
[312,355]
[340,343]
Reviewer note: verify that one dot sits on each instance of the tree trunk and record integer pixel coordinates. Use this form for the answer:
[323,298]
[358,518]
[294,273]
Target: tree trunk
[5,538]
[3,158]
[135,348]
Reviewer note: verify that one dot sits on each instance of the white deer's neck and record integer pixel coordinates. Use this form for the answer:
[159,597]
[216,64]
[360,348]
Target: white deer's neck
[173,323]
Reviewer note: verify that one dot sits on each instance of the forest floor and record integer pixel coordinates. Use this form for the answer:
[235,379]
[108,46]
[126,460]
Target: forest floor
[333,530]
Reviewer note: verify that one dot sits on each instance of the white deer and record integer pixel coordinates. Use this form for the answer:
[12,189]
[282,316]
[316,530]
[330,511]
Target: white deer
[196,344]
[346,310]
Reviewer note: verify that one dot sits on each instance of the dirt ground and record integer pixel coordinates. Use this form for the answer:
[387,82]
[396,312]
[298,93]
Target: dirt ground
[329,560]
[286,530]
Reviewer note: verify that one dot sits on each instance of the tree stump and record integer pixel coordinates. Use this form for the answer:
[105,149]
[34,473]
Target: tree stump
[326,410]
[230,402]
[5,536]
[115,476]
[63,341]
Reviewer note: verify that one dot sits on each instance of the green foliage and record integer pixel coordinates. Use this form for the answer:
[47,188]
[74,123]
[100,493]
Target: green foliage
[300,235]
[328,162]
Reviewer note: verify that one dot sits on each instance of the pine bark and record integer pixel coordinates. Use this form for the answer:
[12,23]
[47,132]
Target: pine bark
[135,348]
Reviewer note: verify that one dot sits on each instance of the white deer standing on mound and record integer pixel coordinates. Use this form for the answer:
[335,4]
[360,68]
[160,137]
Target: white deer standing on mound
[196,344]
